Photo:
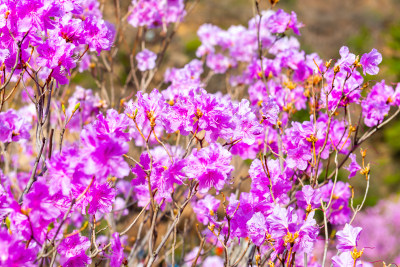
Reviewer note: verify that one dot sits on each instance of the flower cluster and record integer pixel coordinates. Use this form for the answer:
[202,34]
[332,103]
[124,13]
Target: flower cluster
[50,36]
[261,180]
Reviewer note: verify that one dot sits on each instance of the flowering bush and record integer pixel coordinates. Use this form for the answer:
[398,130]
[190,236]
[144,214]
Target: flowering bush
[82,171]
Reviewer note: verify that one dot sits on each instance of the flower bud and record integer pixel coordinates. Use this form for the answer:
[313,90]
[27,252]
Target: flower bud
[336,69]
[63,108]
[328,63]
[76,107]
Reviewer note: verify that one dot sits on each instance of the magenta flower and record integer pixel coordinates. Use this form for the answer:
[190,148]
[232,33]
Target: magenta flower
[345,260]
[37,15]
[114,125]
[377,104]
[257,228]
[117,255]
[191,256]
[56,52]
[210,166]
[153,13]
[72,31]
[287,227]
[13,251]
[3,20]
[347,59]
[278,22]
[269,111]
[78,260]
[298,157]
[43,206]
[209,113]
[370,62]
[348,237]
[219,63]
[247,126]
[167,176]
[65,171]
[139,171]
[243,213]
[340,211]
[99,198]
[99,34]
[206,209]
[353,167]
[73,245]
[281,21]
[104,156]
[260,181]
[146,60]
[308,198]
[151,107]
[13,127]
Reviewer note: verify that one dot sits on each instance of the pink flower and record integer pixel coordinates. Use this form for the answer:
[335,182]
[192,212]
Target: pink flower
[210,166]
[146,60]
[345,260]
[370,62]
[206,209]
[353,167]
[73,245]
[308,197]
[117,255]
[13,251]
[99,198]
[13,127]
[348,237]
[257,228]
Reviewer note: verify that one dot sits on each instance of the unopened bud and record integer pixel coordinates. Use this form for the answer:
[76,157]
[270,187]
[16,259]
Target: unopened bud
[336,69]
[8,222]
[306,93]
[63,108]
[76,107]
[290,85]
[356,254]
[309,208]
[328,63]
[25,211]
[366,170]
[363,152]
[273,2]
[258,258]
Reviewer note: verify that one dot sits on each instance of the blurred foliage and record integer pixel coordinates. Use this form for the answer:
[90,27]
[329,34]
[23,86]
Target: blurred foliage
[393,62]
[361,42]
[301,115]
[392,136]
[191,47]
